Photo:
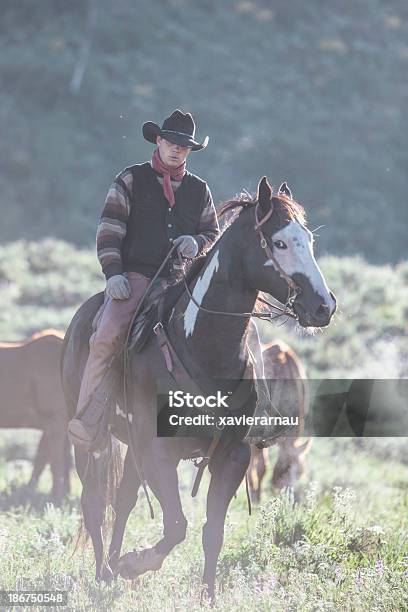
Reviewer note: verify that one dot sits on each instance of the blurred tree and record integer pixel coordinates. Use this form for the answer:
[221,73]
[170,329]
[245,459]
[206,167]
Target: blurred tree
[80,66]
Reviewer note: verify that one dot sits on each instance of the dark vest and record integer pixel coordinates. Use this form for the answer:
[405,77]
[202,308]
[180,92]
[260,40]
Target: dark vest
[153,224]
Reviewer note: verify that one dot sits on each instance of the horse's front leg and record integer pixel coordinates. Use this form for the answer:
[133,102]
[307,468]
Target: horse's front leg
[225,480]
[160,471]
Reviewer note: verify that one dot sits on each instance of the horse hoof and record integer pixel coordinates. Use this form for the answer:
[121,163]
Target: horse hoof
[207,596]
[134,563]
[107,574]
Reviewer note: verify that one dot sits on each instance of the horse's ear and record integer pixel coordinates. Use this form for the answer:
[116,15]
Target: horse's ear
[284,190]
[264,193]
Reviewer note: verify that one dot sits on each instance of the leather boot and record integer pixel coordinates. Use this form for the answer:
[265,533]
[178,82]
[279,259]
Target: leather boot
[89,429]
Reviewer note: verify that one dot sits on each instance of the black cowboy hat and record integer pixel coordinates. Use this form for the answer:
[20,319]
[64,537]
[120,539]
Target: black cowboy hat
[179,128]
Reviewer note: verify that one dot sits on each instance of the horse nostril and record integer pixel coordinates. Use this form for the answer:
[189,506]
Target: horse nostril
[322,311]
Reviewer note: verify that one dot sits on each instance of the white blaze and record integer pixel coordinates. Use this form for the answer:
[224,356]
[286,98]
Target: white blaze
[299,257]
[200,289]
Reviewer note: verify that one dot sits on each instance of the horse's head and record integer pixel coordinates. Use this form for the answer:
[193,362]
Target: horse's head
[290,464]
[279,259]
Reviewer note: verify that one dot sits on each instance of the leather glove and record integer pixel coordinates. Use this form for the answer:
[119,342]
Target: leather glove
[118,287]
[187,246]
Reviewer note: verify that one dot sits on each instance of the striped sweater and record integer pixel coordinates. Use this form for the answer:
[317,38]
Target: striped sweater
[112,224]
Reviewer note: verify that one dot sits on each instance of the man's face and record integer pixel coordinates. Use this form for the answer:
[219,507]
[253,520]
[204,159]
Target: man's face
[172,154]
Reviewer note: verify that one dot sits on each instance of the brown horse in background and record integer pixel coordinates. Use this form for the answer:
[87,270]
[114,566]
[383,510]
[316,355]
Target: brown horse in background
[281,362]
[32,397]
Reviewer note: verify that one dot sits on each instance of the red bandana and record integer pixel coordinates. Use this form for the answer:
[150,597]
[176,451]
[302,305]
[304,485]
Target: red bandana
[168,173]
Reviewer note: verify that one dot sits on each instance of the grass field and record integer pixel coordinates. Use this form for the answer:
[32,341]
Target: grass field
[342,546]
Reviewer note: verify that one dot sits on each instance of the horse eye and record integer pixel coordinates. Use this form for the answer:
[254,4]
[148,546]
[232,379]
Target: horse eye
[280,244]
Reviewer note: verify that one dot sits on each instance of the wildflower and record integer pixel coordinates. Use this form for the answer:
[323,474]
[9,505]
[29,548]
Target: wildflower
[311,496]
[379,566]
[338,573]
[343,500]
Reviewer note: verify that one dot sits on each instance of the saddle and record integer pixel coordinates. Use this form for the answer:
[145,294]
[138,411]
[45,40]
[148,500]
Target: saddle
[142,327]
[157,307]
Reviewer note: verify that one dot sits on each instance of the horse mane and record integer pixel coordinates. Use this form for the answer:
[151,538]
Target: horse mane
[291,208]
[243,200]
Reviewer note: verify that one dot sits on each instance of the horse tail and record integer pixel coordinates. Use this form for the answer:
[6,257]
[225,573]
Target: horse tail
[114,477]
[67,465]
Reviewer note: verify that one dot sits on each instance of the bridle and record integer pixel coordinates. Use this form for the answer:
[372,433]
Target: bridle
[293,289]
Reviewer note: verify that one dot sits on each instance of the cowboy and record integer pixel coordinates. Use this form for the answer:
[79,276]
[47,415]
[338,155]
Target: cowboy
[149,208]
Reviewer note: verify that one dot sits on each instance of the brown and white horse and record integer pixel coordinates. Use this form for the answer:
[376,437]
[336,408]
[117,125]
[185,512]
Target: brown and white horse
[212,345]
